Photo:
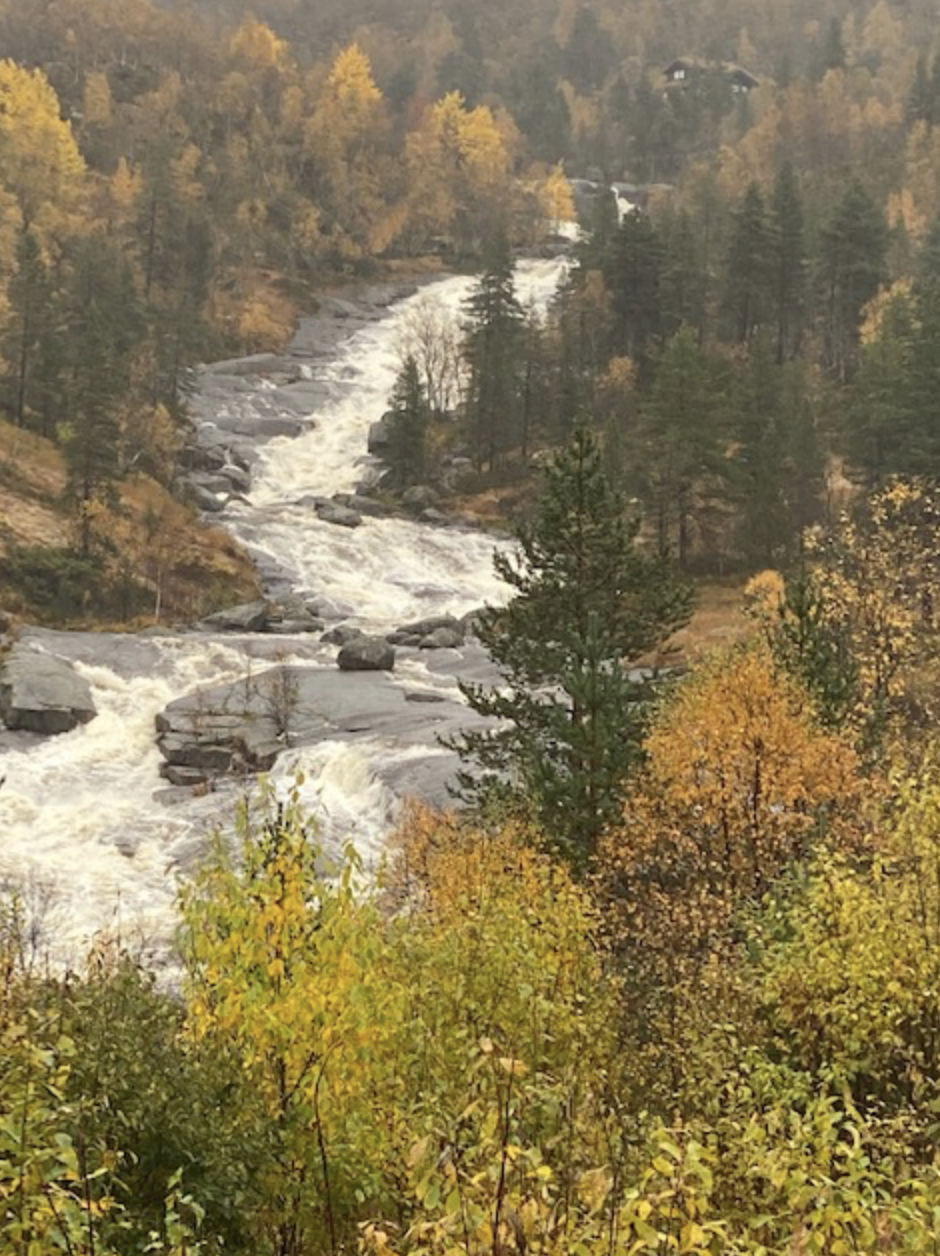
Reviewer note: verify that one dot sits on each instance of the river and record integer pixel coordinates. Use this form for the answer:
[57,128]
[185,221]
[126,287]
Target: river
[90,832]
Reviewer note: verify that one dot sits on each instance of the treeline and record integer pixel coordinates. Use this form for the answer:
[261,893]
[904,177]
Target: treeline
[841,86]
[712,1030]
[748,364]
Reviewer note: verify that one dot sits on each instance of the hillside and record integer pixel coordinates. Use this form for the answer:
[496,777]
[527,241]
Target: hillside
[157,544]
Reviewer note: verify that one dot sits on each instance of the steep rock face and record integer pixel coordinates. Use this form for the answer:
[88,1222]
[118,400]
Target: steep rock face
[40,693]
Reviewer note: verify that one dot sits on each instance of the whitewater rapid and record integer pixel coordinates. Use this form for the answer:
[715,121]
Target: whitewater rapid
[386,571]
[90,833]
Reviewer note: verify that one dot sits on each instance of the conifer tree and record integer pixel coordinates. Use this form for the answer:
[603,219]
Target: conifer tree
[788,262]
[854,245]
[681,460]
[407,453]
[683,283]
[634,282]
[493,346]
[759,456]
[586,602]
[30,332]
[103,328]
[748,267]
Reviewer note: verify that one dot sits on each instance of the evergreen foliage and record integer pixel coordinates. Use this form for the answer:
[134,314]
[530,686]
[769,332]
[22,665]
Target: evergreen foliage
[494,335]
[408,426]
[587,602]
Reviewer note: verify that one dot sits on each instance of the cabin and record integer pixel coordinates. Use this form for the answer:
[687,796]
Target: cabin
[683,71]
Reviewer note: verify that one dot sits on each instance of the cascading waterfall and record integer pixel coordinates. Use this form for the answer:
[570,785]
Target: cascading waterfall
[88,826]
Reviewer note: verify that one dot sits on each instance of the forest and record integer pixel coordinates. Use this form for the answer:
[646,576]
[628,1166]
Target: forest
[667,981]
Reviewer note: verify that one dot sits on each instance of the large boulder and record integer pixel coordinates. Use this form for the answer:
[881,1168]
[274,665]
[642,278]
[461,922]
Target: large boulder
[40,693]
[333,512]
[367,654]
[380,435]
[249,617]
[434,633]
[442,639]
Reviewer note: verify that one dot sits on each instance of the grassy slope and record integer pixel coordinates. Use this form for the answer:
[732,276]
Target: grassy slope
[198,567]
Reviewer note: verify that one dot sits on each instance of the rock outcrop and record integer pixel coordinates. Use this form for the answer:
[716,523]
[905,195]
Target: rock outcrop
[249,617]
[40,693]
[435,633]
[243,726]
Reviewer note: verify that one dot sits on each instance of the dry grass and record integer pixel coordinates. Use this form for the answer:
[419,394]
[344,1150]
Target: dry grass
[718,619]
[197,568]
[32,481]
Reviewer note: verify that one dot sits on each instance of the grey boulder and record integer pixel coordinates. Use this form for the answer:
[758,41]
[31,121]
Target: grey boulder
[442,639]
[41,693]
[367,654]
[333,512]
[249,617]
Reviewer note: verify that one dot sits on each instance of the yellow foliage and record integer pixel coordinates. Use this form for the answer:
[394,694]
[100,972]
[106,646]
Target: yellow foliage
[557,196]
[903,211]
[98,106]
[40,163]
[351,81]
[126,186]
[258,328]
[257,43]
[458,168]
[876,578]
[737,783]
[873,315]
[763,597]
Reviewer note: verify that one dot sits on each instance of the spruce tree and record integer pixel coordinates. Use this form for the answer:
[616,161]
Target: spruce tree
[788,262]
[30,334]
[748,283]
[853,247]
[680,451]
[634,282]
[104,326]
[408,426]
[759,458]
[495,332]
[586,602]
[683,283]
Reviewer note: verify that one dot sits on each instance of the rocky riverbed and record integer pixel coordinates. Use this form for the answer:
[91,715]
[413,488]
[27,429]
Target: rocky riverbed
[345,672]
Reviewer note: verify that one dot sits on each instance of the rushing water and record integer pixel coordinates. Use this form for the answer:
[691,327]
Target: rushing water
[86,822]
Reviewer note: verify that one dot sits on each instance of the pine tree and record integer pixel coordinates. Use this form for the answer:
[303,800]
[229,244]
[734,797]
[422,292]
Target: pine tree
[680,458]
[104,326]
[408,426]
[587,602]
[634,282]
[853,249]
[28,342]
[683,283]
[788,262]
[495,333]
[759,457]
[748,267]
